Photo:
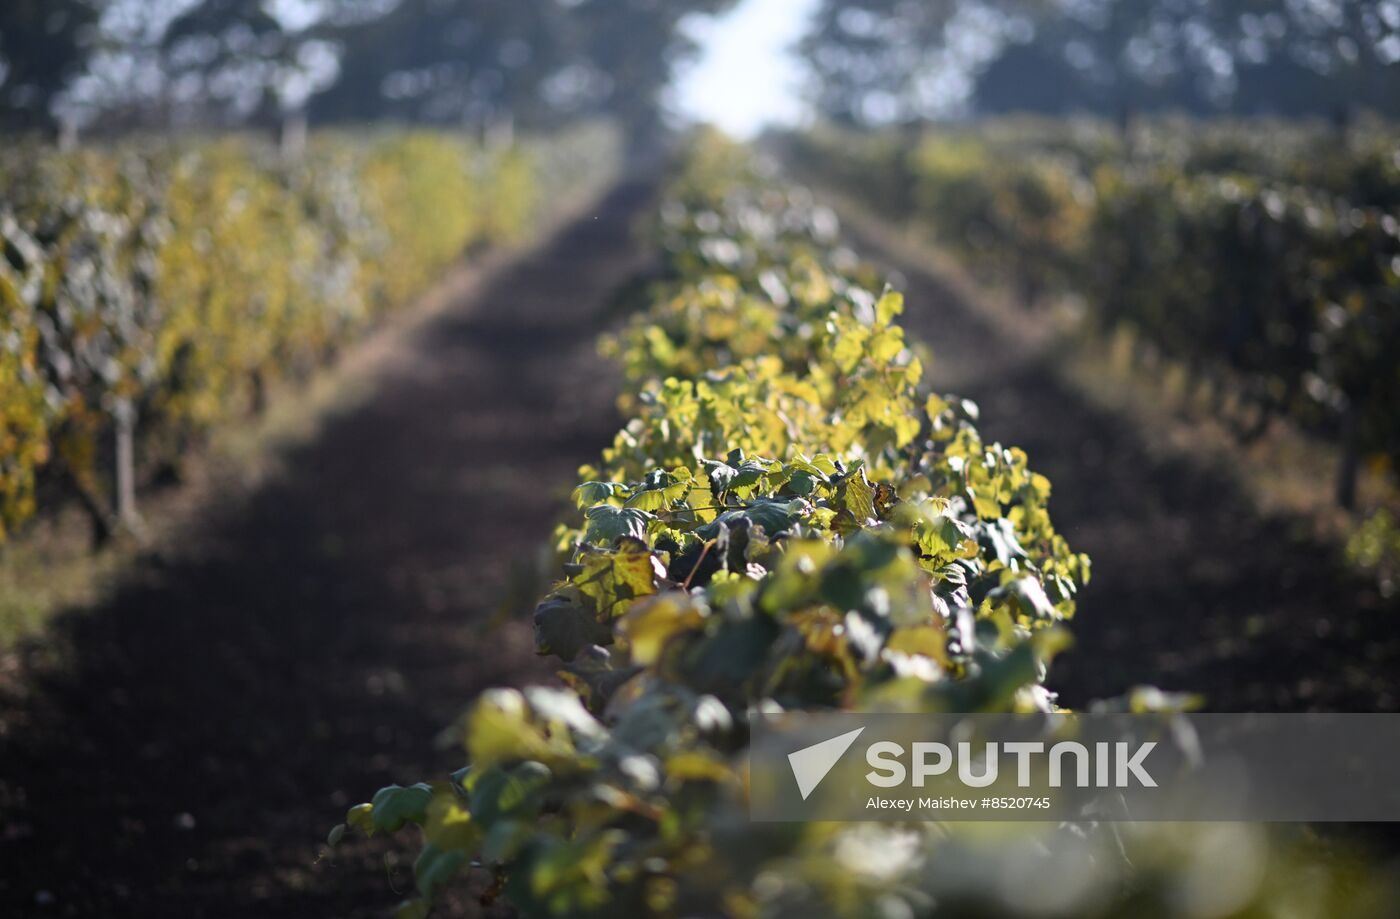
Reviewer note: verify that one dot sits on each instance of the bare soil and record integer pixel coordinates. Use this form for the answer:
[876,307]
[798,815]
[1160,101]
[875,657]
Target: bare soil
[183,748]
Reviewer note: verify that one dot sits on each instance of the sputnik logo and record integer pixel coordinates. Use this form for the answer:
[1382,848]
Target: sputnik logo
[811,764]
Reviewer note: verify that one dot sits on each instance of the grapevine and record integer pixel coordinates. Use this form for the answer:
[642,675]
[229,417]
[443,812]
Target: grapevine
[775,529]
[1268,254]
[151,291]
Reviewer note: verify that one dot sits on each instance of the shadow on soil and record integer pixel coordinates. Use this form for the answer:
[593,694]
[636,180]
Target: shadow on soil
[183,749]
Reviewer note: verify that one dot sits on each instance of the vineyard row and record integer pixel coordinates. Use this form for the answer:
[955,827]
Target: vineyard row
[151,290]
[1269,253]
[791,520]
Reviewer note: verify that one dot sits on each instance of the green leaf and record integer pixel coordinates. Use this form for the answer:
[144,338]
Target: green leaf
[501,793]
[564,628]
[729,656]
[774,515]
[720,475]
[651,499]
[857,495]
[607,523]
[361,817]
[590,493]
[802,483]
[395,805]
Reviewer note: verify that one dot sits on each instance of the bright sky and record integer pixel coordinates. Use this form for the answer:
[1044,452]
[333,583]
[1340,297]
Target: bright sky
[745,76]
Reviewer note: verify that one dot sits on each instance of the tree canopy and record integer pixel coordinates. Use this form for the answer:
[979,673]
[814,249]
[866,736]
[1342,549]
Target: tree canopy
[41,50]
[891,60]
[441,61]
[125,63]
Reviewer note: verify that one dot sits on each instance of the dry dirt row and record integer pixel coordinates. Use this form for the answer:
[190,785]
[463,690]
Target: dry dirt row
[205,727]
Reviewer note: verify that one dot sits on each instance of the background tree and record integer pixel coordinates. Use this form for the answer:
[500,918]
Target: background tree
[464,62]
[881,60]
[447,61]
[475,60]
[41,50]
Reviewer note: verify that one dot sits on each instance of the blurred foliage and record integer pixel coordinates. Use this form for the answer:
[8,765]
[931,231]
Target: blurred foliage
[877,61]
[793,521]
[118,65]
[1376,547]
[180,280]
[445,60]
[1270,251]
[41,49]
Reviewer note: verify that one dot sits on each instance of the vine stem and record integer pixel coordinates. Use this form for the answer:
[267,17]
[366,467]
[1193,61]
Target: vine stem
[685,585]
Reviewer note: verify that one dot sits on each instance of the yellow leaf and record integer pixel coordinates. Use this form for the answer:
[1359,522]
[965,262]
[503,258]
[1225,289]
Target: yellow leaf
[449,824]
[927,640]
[699,765]
[650,623]
[890,306]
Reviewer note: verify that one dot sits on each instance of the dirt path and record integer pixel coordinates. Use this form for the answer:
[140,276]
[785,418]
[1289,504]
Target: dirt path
[202,731]
[1191,589]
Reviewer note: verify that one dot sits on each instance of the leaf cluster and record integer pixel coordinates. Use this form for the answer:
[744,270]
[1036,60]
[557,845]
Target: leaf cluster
[801,532]
[1265,251]
[177,282]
